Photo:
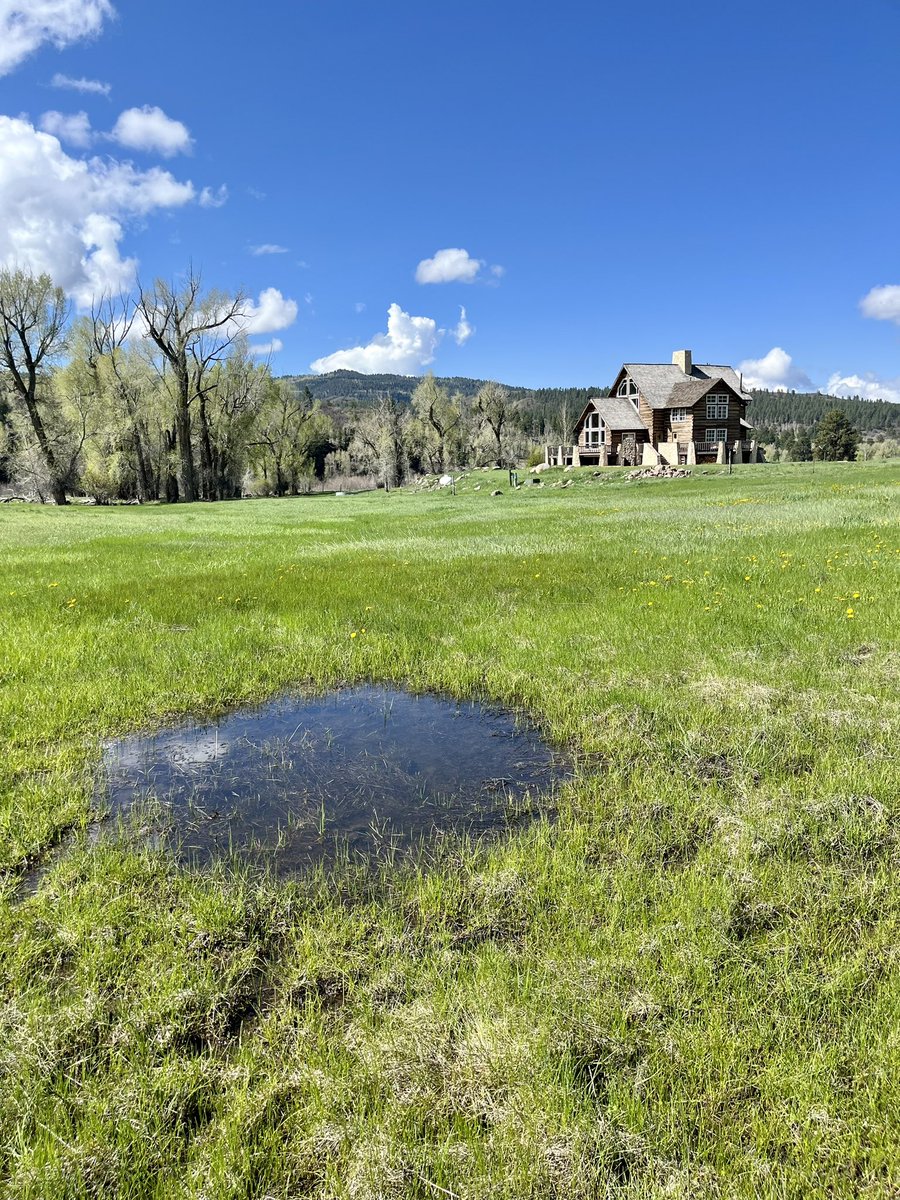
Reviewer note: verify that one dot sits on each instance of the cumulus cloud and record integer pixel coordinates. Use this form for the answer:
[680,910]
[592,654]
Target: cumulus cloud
[25,25]
[263,349]
[406,349]
[774,372]
[868,386]
[268,248]
[213,198]
[452,265]
[149,128]
[69,127]
[68,216]
[882,303]
[463,330]
[271,313]
[92,86]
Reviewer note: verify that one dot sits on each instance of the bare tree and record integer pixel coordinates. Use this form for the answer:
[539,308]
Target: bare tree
[494,409]
[33,317]
[191,331]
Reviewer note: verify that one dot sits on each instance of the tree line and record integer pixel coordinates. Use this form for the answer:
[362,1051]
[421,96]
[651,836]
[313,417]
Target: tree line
[157,396]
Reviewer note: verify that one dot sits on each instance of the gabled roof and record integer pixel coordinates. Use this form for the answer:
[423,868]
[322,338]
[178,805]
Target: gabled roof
[617,412]
[687,393]
[655,381]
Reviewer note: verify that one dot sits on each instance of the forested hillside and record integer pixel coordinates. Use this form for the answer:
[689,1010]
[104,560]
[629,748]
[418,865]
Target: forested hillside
[774,412]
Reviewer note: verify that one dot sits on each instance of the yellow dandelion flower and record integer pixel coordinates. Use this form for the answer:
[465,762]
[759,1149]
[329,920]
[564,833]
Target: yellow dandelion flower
[353,634]
[850,614]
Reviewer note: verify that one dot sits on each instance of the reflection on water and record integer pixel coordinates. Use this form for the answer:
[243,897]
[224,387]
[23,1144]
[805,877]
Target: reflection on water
[303,779]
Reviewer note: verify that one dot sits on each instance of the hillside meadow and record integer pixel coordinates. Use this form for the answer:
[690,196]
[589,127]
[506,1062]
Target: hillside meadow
[682,982]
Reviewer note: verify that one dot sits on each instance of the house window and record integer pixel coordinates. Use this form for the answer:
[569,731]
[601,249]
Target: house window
[593,429]
[628,388]
[678,414]
[717,435]
[717,408]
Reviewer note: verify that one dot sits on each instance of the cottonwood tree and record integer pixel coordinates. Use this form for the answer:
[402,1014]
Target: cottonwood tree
[379,441]
[191,331]
[233,398]
[33,317]
[280,434]
[119,374]
[440,418]
[494,410]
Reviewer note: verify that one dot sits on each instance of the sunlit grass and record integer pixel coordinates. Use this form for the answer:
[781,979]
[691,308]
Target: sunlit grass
[685,985]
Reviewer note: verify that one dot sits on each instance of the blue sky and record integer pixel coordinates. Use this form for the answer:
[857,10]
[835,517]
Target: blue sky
[606,182]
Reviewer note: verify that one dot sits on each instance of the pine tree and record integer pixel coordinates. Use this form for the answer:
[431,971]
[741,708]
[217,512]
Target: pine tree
[835,438]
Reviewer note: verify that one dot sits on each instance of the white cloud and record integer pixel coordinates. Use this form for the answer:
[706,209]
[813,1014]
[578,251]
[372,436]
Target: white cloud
[867,386]
[149,128]
[67,216]
[271,313]
[268,248]
[359,306]
[774,372]
[93,86]
[213,199]
[266,348]
[407,348]
[69,127]
[882,303]
[25,25]
[449,266]
[463,330]
[497,271]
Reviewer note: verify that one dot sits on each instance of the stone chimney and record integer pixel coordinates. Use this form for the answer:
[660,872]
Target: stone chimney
[682,358]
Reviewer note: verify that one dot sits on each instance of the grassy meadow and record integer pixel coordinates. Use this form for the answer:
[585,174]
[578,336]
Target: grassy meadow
[686,985]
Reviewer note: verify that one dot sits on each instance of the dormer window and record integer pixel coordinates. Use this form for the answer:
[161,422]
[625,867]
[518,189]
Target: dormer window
[628,388]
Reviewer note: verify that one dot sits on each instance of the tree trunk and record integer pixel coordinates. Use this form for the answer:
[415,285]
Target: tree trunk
[57,486]
[145,482]
[170,441]
[187,475]
[207,478]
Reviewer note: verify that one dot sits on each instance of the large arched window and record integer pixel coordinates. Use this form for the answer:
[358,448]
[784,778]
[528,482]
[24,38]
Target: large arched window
[593,429]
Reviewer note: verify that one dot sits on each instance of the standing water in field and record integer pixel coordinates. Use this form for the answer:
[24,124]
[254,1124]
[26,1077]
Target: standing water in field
[299,779]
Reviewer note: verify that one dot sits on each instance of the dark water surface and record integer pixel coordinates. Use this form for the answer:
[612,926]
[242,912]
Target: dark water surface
[301,780]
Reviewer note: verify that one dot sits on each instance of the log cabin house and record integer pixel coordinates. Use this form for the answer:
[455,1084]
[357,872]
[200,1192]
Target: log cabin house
[677,413]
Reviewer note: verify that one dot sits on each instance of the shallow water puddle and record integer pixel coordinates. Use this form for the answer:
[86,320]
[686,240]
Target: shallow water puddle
[300,780]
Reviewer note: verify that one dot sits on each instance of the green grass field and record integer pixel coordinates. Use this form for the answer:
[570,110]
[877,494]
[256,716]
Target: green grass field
[685,986]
